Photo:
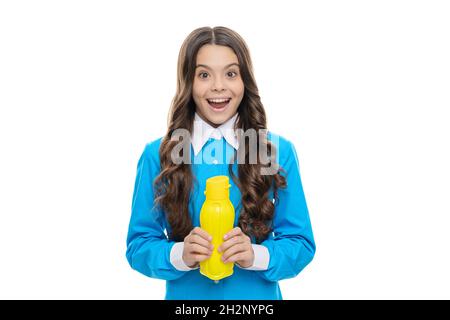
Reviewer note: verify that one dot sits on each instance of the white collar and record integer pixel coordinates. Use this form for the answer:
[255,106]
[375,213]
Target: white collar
[203,131]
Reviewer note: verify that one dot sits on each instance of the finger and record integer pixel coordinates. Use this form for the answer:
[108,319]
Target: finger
[233,250]
[196,249]
[230,242]
[199,257]
[237,257]
[202,233]
[195,238]
[233,232]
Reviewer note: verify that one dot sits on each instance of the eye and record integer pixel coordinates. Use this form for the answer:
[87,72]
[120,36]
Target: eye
[201,75]
[232,74]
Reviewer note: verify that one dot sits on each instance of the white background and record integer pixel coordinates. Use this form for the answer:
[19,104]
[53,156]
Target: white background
[362,88]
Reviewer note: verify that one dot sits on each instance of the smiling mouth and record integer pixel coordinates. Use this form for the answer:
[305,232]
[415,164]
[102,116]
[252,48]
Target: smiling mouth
[218,104]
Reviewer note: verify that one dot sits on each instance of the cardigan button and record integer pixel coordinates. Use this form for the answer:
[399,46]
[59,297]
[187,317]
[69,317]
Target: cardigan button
[215,161]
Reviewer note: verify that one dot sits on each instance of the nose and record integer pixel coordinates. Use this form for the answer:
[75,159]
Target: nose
[218,85]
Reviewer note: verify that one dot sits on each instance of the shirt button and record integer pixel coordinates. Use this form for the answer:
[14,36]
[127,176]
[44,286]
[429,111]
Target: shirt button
[215,161]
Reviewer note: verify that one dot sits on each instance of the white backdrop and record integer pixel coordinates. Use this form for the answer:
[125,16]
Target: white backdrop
[360,87]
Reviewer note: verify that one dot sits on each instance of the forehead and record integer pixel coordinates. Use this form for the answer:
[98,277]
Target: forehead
[216,56]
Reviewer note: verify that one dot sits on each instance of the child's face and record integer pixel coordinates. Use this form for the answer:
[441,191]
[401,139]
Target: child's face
[217,75]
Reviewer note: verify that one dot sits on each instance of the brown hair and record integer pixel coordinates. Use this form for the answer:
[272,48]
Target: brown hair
[174,184]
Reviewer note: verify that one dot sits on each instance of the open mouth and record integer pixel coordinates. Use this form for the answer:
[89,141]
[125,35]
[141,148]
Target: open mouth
[218,104]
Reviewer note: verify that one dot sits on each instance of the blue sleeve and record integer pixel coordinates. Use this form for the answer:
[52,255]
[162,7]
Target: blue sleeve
[292,246]
[148,249]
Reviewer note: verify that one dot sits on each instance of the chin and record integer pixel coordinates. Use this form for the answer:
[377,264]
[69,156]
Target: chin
[218,120]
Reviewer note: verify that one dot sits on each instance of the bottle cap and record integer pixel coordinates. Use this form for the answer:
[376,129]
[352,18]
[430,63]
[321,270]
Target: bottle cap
[217,187]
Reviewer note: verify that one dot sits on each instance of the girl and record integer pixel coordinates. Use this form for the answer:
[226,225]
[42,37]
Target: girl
[272,240]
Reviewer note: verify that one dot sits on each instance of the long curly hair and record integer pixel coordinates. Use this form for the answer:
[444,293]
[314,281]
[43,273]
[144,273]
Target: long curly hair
[174,183]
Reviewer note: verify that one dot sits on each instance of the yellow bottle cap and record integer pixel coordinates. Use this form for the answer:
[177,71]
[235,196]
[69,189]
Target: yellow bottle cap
[217,187]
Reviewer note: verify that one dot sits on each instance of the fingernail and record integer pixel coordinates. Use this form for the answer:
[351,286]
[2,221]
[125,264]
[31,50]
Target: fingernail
[225,236]
[210,238]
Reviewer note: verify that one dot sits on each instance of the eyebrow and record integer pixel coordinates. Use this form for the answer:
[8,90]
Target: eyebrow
[207,67]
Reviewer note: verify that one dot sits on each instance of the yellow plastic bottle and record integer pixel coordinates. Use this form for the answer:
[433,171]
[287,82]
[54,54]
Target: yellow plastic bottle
[217,218]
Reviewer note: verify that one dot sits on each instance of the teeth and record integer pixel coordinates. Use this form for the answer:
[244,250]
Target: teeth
[218,100]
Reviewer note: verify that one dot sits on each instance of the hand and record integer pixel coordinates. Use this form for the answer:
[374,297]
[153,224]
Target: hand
[237,247]
[197,247]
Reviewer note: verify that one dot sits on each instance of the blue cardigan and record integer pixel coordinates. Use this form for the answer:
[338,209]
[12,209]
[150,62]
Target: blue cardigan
[291,245]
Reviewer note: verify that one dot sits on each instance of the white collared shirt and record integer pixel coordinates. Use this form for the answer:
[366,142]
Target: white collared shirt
[202,132]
